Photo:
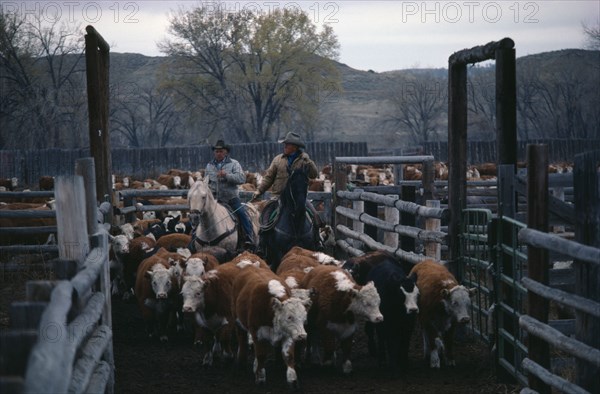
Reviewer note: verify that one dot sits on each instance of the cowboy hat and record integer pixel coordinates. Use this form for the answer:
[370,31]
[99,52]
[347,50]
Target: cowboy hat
[221,145]
[294,139]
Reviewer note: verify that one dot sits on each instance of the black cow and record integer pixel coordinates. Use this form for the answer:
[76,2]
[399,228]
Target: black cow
[399,308]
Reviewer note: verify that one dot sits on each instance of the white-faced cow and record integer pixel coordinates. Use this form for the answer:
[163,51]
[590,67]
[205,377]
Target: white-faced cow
[155,288]
[265,309]
[338,305]
[443,304]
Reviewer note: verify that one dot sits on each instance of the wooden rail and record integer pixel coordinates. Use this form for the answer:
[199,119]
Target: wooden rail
[61,337]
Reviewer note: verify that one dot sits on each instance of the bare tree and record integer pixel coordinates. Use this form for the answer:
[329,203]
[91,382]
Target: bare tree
[42,77]
[592,34]
[419,104]
[148,119]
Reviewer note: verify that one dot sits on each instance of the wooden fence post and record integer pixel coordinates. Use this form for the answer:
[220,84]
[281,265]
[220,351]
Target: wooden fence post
[85,167]
[392,215]
[73,243]
[407,219]
[587,276]
[537,218]
[433,249]
[357,225]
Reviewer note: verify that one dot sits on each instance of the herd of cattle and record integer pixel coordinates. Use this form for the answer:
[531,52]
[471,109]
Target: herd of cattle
[309,308]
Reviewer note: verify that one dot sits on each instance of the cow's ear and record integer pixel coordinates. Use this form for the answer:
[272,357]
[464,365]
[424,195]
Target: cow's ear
[149,274]
[472,291]
[445,293]
[172,261]
[277,304]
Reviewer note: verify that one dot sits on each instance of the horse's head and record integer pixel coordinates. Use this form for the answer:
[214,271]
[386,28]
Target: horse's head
[200,198]
[296,189]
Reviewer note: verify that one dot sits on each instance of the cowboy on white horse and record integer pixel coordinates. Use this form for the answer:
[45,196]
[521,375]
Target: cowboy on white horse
[225,174]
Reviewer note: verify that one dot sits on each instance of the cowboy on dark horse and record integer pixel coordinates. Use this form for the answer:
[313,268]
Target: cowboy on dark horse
[276,176]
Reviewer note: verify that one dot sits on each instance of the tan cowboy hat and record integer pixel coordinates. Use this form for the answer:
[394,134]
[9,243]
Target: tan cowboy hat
[294,139]
[221,145]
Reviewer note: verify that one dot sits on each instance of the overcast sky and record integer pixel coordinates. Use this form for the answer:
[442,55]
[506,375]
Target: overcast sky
[381,36]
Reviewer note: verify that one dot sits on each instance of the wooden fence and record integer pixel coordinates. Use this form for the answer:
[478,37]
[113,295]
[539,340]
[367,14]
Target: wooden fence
[540,329]
[126,213]
[361,223]
[60,338]
[486,151]
[141,163]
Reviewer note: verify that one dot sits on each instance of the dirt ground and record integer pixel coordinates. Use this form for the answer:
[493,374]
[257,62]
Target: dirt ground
[147,366]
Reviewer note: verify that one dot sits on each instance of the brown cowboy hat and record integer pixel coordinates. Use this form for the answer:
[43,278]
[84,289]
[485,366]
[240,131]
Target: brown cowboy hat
[294,139]
[221,145]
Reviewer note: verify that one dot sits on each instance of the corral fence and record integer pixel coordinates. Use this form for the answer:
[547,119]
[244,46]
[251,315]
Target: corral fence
[141,163]
[359,222]
[559,149]
[60,339]
[508,261]
[130,206]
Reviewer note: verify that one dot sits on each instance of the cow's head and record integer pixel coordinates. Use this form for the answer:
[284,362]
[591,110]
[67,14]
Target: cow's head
[410,291]
[365,303]
[457,303]
[288,318]
[160,279]
[195,266]
[193,293]
[120,243]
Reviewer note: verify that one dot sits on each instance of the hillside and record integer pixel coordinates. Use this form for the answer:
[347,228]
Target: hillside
[358,113]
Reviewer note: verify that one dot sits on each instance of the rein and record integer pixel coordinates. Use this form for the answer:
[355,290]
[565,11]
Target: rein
[221,237]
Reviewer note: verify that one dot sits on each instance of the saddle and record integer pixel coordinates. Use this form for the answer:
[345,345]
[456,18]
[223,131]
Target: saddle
[270,214]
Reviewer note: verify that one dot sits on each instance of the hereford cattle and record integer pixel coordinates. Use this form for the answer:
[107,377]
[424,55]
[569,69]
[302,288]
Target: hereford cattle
[197,265]
[338,305]
[265,309]
[208,298]
[155,289]
[248,258]
[319,257]
[25,239]
[294,268]
[174,241]
[443,304]
[399,296]
[128,255]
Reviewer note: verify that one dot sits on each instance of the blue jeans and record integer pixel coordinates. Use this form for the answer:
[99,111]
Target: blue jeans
[240,211]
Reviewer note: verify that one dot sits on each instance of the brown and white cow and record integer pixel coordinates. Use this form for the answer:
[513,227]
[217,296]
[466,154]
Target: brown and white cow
[265,309]
[443,304]
[209,299]
[337,307]
[155,289]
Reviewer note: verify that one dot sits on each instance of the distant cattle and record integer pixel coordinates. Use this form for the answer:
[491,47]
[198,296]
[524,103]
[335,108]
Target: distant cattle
[265,309]
[443,304]
[338,305]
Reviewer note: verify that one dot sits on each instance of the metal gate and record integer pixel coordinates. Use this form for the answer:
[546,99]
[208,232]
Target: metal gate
[493,261]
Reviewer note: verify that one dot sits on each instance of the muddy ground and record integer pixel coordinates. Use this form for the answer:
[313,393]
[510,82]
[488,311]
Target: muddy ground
[147,366]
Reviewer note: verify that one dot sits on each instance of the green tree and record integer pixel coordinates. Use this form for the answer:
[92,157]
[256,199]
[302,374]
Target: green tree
[252,76]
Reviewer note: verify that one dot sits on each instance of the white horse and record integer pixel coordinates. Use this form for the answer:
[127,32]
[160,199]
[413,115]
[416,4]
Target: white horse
[214,226]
